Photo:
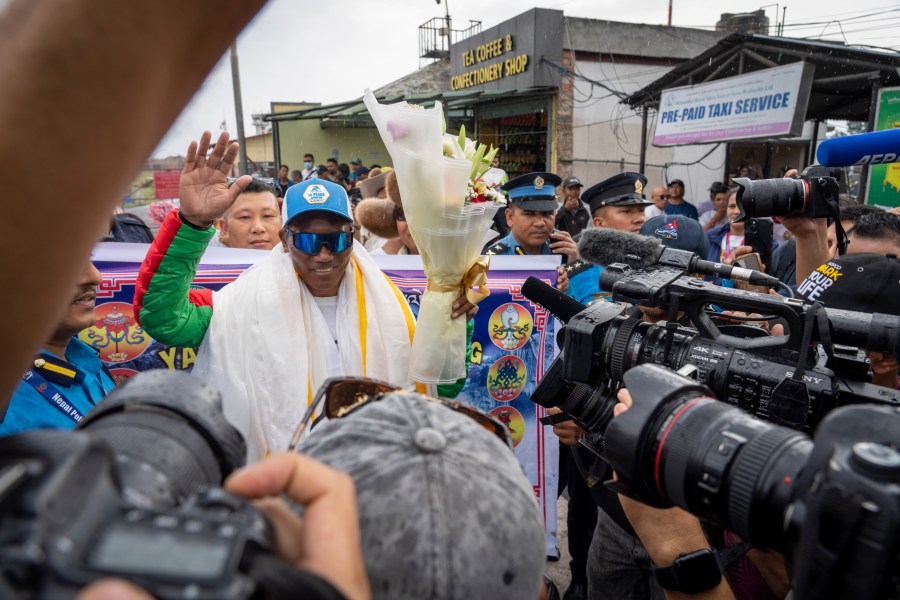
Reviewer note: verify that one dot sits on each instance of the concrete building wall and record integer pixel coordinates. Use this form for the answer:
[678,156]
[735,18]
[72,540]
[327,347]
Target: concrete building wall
[607,134]
[259,148]
[300,137]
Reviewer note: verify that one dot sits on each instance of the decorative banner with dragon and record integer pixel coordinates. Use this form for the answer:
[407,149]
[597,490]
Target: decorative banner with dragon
[512,345]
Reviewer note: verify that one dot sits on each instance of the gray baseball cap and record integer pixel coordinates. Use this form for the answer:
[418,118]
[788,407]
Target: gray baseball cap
[445,510]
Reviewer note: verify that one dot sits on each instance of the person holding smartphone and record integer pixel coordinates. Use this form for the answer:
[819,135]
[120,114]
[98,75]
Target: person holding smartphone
[726,239]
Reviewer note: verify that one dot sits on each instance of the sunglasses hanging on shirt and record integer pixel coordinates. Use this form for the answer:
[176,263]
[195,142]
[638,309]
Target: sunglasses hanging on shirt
[342,396]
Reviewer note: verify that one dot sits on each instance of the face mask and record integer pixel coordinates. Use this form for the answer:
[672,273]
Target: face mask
[307,165]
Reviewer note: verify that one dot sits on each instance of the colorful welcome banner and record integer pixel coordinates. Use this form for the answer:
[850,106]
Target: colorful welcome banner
[513,343]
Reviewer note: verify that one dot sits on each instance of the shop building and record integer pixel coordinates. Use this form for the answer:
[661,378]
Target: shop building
[544,87]
[582,97]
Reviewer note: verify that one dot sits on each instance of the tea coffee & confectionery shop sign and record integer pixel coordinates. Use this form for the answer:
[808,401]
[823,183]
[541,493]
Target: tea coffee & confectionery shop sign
[508,56]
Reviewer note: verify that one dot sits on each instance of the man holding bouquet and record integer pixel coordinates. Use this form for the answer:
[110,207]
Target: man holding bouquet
[316,307]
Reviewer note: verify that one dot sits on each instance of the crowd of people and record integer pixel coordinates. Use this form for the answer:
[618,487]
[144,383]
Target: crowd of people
[403,495]
[346,175]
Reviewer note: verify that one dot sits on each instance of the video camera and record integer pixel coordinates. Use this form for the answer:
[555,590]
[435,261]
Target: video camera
[134,492]
[792,380]
[831,507]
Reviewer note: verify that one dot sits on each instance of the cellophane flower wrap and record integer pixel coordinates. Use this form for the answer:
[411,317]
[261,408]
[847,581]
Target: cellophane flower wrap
[448,222]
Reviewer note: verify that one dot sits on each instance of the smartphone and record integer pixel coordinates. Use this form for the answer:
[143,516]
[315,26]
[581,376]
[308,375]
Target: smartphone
[758,235]
[565,257]
[750,261]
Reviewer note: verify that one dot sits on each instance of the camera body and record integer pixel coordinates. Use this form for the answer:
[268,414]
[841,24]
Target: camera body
[65,521]
[831,506]
[813,194]
[134,493]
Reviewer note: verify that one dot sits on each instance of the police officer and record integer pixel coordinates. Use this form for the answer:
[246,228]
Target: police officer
[530,217]
[616,203]
[66,379]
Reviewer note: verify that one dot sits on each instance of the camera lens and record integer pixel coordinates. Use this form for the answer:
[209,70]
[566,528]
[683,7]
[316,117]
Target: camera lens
[169,436]
[770,197]
[725,466]
[630,342]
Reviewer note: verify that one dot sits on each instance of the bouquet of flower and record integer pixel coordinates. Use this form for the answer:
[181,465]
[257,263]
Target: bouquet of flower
[449,208]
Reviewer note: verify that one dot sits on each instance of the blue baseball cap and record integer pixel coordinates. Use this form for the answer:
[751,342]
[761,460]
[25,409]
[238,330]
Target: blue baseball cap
[533,191]
[678,231]
[316,194]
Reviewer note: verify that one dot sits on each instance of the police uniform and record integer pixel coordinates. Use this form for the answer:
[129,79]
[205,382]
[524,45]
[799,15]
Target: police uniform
[532,191]
[56,393]
[624,189]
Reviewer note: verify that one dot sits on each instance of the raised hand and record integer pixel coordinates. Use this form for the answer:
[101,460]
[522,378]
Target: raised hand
[205,195]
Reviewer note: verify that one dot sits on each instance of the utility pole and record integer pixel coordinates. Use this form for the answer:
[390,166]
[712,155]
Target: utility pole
[238,107]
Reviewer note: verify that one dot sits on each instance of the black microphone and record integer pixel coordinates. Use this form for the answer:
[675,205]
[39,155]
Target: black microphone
[603,246]
[561,306]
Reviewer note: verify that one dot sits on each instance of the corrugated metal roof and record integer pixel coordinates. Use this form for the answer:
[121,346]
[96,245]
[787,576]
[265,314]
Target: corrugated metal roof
[841,86]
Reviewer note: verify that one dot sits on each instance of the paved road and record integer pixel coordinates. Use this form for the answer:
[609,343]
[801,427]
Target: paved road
[559,571]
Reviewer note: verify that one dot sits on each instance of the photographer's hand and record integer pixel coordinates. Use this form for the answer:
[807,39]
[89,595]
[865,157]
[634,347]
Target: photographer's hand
[113,589]
[326,540]
[811,238]
[667,533]
[203,187]
[568,432]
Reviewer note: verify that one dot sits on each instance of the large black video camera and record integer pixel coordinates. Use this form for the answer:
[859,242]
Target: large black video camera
[134,493]
[831,507]
[792,380]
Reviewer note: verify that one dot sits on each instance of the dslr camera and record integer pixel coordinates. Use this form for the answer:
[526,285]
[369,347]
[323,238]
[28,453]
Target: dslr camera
[134,493]
[813,194]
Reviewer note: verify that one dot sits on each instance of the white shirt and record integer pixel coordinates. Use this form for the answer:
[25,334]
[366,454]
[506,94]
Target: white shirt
[651,211]
[328,307]
[707,217]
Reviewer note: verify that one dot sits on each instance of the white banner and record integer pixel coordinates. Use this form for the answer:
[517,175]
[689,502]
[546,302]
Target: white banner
[767,103]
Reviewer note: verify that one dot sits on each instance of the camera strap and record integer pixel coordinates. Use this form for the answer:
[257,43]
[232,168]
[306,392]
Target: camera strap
[815,315]
[790,402]
[839,235]
[51,394]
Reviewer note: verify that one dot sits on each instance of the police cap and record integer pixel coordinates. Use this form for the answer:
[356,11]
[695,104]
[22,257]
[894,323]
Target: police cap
[533,191]
[624,189]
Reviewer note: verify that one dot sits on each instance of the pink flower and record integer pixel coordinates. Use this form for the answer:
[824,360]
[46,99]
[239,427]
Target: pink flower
[397,130]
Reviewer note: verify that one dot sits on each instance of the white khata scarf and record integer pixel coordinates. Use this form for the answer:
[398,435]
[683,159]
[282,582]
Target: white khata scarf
[264,346]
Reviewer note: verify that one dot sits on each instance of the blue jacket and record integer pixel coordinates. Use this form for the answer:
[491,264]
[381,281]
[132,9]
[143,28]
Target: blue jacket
[584,281]
[715,237]
[79,379]
[508,246]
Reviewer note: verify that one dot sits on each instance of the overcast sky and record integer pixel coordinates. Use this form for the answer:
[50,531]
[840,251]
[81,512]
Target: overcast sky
[332,51]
